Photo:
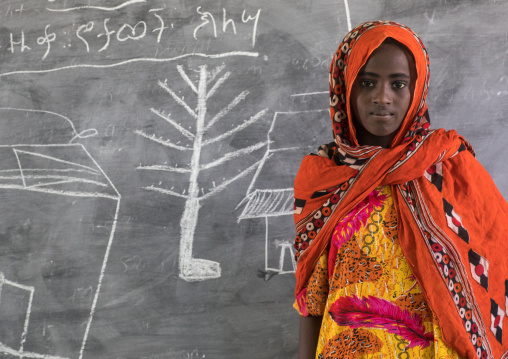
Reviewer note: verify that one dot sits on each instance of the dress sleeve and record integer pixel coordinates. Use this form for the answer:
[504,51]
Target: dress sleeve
[311,301]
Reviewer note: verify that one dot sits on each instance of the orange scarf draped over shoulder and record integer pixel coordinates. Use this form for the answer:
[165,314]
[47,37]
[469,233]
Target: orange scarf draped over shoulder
[452,220]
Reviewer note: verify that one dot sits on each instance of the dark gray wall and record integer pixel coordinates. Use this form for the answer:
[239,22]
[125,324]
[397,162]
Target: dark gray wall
[116,239]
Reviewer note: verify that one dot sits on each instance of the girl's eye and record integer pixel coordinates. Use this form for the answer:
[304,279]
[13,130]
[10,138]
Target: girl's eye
[399,85]
[367,83]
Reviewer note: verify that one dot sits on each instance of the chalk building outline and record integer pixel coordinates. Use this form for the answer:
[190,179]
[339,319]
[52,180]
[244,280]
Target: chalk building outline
[34,174]
[275,205]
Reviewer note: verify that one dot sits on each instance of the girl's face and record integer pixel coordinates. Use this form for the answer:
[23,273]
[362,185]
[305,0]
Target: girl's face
[381,95]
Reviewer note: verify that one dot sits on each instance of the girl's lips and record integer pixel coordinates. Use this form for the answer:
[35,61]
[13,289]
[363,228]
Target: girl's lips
[382,115]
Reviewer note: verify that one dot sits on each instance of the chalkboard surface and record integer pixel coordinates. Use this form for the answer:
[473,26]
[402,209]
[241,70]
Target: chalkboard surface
[147,153]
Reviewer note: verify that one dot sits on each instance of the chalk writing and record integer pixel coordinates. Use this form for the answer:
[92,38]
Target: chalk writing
[132,263]
[255,18]
[226,22]
[21,42]
[135,32]
[106,33]
[85,28]
[155,24]
[161,28]
[46,39]
[209,19]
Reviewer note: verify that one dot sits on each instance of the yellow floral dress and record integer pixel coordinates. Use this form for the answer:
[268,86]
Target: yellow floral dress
[371,304]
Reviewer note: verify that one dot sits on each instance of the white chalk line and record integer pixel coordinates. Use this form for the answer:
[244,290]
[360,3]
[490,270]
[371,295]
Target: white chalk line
[180,101]
[297,112]
[263,159]
[164,168]
[42,145]
[224,184]
[267,233]
[186,78]
[118,196]
[48,170]
[103,8]
[348,16]
[59,192]
[258,205]
[166,118]
[269,151]
[213,74]
[106,255]
[18,285]
[66,179]
[101,276]
[165,191]
[309,93]
[232,155]
[161,141]
[238,128]
[284,245]
[275,214]
[218,84]
[280,197]
[16,353]
[54,159]
[270,207]
[288,148]
[140,59]
[2,281]
[92,131]
[226,109]
[20,167]
[31,290]
[191,269]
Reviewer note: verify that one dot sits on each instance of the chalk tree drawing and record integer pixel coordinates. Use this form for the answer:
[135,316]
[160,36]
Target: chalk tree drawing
[190,268]
[273,204]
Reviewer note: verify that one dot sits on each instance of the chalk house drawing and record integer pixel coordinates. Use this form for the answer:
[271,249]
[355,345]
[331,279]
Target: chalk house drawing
[197,140]
[59,213]
[285,150]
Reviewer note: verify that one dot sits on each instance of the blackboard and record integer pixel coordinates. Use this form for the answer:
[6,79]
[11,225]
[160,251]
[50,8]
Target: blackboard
[147,153]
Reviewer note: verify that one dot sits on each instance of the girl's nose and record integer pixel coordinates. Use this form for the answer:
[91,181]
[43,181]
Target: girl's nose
[382,95]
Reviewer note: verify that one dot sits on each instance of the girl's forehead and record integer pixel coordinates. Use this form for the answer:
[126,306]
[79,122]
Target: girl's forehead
[388,54]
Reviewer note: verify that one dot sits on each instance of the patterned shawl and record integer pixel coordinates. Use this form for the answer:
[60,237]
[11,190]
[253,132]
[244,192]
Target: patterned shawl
[452,220]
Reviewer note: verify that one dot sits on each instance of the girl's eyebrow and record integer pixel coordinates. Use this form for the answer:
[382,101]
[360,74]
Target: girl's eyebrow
[373,74]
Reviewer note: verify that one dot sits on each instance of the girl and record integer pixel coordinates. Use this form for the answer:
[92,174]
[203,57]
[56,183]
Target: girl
[400,244]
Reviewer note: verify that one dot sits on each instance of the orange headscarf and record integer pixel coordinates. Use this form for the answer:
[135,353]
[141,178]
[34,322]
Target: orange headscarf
[452,220]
